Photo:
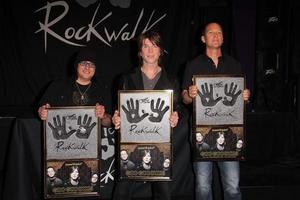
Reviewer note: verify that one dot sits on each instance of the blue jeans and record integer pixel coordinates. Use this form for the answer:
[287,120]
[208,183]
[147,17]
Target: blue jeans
[230,176]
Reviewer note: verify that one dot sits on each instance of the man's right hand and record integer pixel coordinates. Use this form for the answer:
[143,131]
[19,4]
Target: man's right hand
[188,95]
[193,91]
[116,119]
[43,111]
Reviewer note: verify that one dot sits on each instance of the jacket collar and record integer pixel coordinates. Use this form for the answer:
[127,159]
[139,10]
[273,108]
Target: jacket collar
[138,79]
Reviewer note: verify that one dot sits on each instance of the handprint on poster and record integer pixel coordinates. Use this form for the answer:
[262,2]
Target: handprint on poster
[145,116]
[71,133]
[219,100]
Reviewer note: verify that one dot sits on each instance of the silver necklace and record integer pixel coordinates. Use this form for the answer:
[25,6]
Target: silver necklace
[82,93]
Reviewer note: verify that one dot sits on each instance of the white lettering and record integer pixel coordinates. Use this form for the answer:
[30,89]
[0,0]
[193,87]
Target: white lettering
[85,33]
[69,33]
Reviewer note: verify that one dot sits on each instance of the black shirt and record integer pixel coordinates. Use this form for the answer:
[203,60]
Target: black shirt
[203,65]
[66,93]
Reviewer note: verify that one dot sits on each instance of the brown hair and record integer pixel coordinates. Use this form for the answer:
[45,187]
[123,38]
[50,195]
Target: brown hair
[155,38]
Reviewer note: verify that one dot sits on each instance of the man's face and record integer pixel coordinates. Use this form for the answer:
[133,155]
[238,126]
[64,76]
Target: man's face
[213,36]
[147,158]
[149,52]
[167,163]
[94,178]
[199,137]
[86,70]
[239,144]
[221,139]
[50,172]
[74,174]
[123,155]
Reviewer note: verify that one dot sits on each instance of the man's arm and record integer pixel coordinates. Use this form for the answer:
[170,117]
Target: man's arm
[106,120]
[188,95]
[185,97]
[105,117]
[246,95]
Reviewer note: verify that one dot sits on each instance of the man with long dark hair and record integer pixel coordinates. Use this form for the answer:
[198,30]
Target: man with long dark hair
[149,76]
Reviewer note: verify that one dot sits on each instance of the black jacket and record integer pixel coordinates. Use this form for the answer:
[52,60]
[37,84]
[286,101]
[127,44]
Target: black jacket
[134,81]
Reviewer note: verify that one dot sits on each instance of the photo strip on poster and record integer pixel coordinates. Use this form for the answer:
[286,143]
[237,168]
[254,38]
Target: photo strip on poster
[145,135]
[218,118]
[72,178]
[72,146]
[145,161]
[219,143]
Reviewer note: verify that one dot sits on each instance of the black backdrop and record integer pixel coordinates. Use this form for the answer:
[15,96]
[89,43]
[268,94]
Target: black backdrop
[39,39]
[30,59]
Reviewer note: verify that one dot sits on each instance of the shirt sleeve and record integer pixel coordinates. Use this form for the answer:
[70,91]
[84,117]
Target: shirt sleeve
[49,94]
[187,77]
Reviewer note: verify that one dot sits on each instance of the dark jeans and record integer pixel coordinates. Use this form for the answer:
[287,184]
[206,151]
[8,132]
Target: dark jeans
[124,190]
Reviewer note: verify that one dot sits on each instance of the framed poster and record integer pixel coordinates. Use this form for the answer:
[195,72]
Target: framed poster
[145,116]
[218,118]
[145,135]
[72,155]
[145,161]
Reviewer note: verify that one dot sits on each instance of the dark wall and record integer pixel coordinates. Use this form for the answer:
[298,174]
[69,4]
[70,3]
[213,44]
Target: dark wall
[262,35]
[33,57]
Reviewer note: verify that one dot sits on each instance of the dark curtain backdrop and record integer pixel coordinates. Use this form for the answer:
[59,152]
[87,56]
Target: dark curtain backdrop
[36,51]
[39,38]
[243,37]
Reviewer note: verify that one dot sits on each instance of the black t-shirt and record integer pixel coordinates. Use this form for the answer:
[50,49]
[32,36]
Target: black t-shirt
[67,93]
[203,65]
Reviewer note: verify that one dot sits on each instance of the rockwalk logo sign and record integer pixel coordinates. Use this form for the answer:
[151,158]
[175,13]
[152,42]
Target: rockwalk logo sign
[79,36]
